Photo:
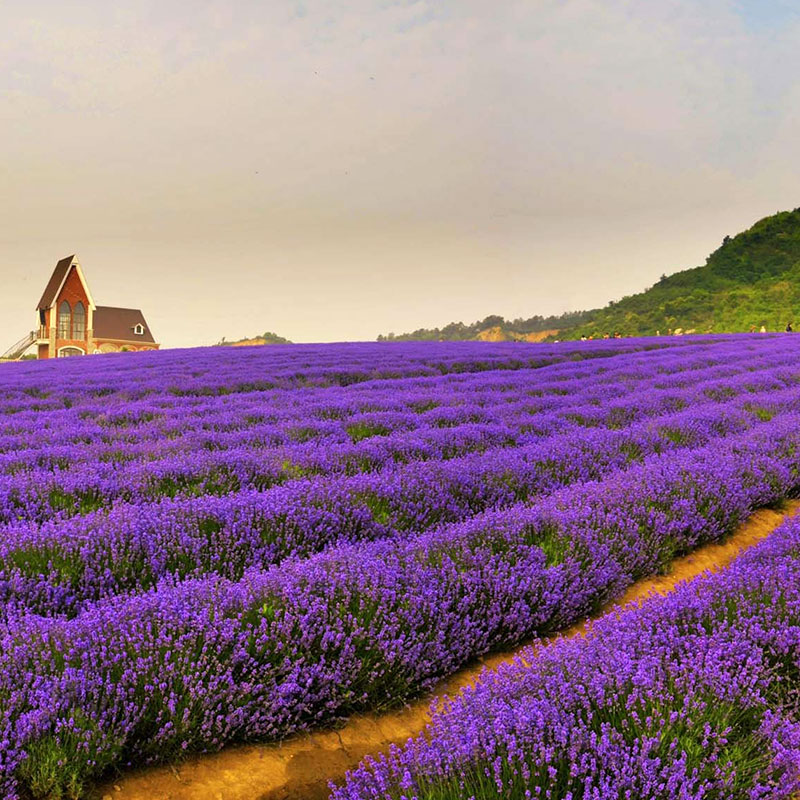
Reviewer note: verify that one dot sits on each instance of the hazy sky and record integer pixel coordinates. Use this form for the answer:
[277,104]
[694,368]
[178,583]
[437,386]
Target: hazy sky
[333,169]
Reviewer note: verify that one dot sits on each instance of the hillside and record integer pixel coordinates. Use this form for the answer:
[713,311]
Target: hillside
[752,279]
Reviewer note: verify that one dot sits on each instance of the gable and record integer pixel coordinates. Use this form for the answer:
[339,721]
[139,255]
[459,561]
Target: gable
[73,290]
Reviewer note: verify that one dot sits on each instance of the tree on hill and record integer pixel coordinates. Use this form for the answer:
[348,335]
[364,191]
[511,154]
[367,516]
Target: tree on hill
[265,338]
[518,328]
[270,337]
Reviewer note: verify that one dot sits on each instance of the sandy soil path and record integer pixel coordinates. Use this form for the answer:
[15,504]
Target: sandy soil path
[299,768]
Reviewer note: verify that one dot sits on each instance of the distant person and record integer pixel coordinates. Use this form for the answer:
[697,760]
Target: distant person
[658,333]
[788,327]
[752,329]
[606,336]
[763,329]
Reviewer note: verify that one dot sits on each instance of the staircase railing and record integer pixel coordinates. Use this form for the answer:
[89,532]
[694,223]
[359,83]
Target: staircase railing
[16,350]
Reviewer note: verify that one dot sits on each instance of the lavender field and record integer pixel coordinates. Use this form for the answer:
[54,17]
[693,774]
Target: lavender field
[212,546]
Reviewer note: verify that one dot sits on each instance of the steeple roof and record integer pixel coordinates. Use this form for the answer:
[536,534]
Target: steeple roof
[55,282]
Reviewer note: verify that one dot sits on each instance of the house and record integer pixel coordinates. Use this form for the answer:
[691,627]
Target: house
[70,324]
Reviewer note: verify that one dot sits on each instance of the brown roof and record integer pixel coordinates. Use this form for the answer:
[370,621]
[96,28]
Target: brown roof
[118,324]
[56,279]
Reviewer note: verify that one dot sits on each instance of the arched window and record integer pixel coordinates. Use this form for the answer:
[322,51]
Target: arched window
[64,320]
[79,321]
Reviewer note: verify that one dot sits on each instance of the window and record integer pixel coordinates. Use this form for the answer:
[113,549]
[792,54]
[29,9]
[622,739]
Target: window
[138,329]
[64,320]
[78,321]
[66,352]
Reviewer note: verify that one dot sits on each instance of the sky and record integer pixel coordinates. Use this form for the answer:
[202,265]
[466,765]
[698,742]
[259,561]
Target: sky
[335,169]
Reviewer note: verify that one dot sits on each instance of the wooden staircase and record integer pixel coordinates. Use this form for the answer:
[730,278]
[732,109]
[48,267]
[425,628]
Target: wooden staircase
[17,350]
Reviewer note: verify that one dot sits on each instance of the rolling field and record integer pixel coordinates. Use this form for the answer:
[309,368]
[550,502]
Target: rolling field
[212,546]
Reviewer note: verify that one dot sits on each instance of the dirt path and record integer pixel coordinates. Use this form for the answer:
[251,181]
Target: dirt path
[300,768]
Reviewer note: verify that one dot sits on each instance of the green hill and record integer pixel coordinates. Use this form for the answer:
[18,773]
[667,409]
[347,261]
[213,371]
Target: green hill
[752,279]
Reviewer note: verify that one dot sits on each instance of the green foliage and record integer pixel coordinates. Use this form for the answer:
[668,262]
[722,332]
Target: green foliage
[366,430]
[517,328]
[59,765]
[48,771]
[752,279]
[268,337]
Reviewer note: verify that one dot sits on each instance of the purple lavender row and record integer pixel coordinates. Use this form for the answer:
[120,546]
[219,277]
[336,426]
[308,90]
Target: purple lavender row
[223,372]
[62,566]
[197,373]
[692,697]
[343,421]
[58,440]
[38,494]
[33,493]
[101,416]
[205,662]
[239,426]
[158,418]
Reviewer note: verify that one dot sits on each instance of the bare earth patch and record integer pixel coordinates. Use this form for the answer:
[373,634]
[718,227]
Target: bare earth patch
[299,768]
[497,334]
